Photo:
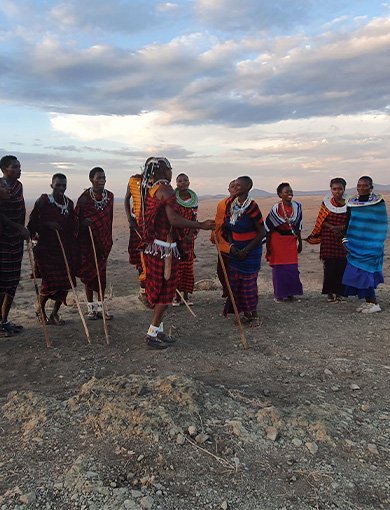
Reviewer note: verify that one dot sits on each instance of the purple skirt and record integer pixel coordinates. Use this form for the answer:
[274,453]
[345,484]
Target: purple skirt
[286,281]
[361,283]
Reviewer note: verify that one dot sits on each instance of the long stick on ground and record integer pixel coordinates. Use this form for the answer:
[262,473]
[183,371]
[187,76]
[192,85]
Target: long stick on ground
[76,298]
[244,341]
[100,287]
[41,312]
[185,302]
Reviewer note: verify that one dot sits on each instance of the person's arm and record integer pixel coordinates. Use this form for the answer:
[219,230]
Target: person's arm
[22,230]
[129,216]
[175,219]
[299,239]
[260,230]
[84,223]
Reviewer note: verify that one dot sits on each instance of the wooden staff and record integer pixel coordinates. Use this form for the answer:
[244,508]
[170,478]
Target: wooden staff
[244,341]
[100,287]
[185,302]
[76,298]
[41,312]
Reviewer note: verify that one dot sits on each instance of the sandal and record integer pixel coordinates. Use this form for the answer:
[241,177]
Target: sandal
[6,330]
[92,313]
[54,320]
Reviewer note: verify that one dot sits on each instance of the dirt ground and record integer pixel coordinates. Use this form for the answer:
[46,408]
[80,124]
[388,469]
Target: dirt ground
[298,421]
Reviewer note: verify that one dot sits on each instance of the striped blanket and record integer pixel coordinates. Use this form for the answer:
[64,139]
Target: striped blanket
[366,234]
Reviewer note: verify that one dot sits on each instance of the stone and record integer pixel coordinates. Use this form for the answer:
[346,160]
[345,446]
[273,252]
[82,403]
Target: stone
[272,433]
[140,458]
[224,505]
[192,430]
[136,494]
[365,408]
[296,442]
[180,439]
[201,438]
[130,505]
[147,502]
[335,388]
[27,499]
[328,372]
[372,448]
[312,447]
[355,387]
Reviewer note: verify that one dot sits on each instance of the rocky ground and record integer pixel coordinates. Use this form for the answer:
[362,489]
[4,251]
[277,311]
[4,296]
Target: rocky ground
[298,421]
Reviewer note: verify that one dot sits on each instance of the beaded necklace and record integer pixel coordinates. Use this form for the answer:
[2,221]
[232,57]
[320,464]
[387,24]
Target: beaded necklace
[237,209]
[62,207]
[288,220]
[100,204]
[191,202]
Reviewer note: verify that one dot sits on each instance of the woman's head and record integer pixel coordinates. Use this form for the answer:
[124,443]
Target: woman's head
[242,185]
[10,167]
[364,185]
[182,182]
[337,187]
[157,168]
[285,191]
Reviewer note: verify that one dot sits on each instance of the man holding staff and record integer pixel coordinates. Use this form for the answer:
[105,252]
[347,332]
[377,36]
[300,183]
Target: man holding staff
[95,209]
[52,213]
[161,231]
[12,216]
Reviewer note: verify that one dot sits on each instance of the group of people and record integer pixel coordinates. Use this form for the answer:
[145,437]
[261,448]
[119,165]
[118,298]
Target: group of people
[76,241]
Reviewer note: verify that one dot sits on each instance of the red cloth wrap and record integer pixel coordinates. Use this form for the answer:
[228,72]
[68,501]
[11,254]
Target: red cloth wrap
[102,235]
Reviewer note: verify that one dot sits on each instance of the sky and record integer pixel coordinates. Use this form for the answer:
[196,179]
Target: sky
[282,90]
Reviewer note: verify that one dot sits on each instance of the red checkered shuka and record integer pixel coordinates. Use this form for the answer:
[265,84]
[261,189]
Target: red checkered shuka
[157,226]
[102,234]
[48,255]
[331,245]
[134,248]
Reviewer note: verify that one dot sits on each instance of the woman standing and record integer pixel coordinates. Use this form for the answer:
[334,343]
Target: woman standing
[328,231]
[244,229]
[188,206]
[284,242]
[365,237]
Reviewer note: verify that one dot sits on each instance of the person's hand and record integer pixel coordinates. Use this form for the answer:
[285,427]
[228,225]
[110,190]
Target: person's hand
[86,223]
[242,254]
[233,250]
[132,223]
[25,234]
[207,225]
[53,225]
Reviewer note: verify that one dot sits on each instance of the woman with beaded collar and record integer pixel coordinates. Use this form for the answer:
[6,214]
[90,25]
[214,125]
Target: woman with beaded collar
[328,231]
[51,214]
[95,209]
[366,233]
[284,243]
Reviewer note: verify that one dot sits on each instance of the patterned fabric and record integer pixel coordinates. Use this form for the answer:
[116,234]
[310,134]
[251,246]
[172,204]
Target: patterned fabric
[135,190]
[277,220]
[48,255]
[245,292]
[331,245]
[135,242]
[157,227]
[242,233]
[102,234]
[134,248]
[186,278]
[366,234]
[11,243]
[283,224]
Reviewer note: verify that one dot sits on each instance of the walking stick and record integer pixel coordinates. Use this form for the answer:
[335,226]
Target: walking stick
[185,302]
[100,287]
[244,341]
[41,312]
[76,298]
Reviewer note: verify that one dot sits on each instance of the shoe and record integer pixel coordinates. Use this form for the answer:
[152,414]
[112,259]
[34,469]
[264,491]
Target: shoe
[166,338]
[176,303]
[372,308]
[331,298]
[279,300]
[6,329]
[16,327]
[362,306]
[155,343]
